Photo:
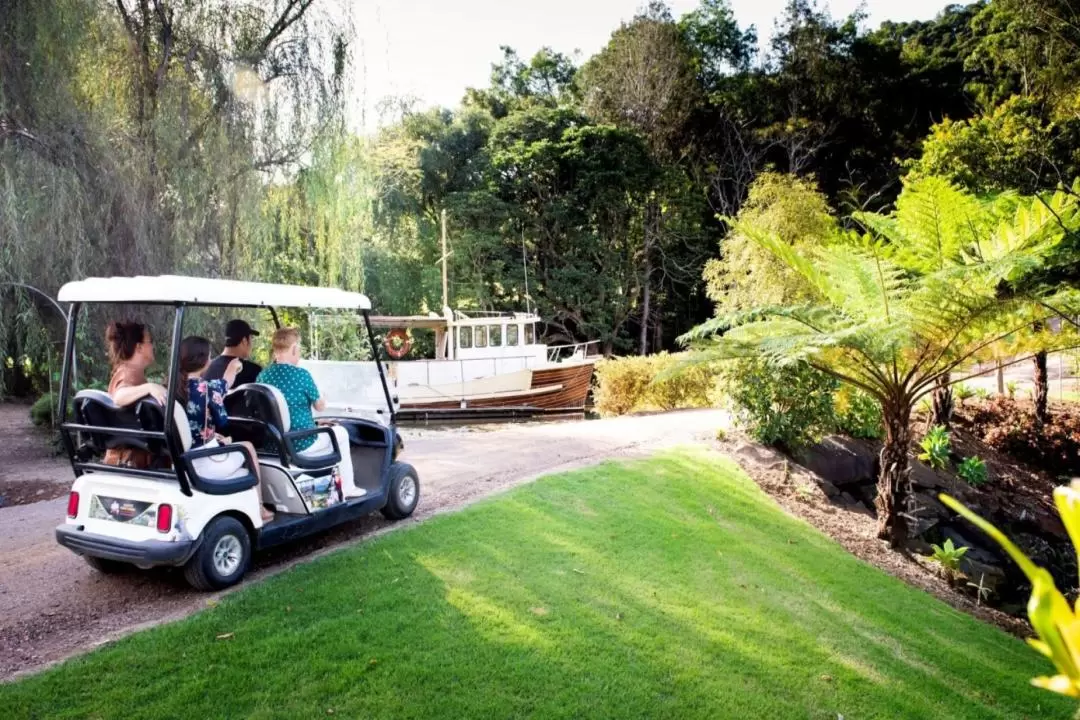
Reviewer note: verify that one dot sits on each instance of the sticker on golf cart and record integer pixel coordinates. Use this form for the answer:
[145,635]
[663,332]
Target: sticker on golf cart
[132,512]
[320,493]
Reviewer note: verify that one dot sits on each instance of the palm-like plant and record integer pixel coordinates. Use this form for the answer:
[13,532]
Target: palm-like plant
[897,309]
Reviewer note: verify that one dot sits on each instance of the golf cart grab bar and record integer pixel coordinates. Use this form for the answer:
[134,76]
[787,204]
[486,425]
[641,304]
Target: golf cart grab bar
[169,475]
[211,486]
[299,460]
[149,434]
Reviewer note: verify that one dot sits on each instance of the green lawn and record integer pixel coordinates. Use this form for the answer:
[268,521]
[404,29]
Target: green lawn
[667,588]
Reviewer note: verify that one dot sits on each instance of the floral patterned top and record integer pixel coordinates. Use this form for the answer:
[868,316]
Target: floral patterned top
[206,409]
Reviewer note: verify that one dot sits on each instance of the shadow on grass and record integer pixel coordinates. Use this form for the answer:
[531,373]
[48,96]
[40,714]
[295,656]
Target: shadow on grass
[666,588]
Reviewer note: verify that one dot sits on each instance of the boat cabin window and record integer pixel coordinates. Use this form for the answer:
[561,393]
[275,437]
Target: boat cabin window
[530,334]
[496,336]
[511,335]
[481,337]
[465,338]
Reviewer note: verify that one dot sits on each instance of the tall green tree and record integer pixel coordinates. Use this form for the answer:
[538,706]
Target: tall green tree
[573,192]
[747,275]
[135,137]
[644,80]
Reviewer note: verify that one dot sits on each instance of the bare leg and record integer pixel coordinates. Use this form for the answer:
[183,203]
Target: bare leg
[267,516]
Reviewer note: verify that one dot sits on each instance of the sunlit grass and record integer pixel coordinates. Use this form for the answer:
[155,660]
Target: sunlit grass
[666,588]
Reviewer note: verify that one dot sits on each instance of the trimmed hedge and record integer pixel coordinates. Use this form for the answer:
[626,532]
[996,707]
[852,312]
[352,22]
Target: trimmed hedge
[634,384]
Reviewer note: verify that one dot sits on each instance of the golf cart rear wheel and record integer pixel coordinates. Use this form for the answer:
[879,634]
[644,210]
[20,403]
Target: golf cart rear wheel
[106,567]
[404,491]
[223,557]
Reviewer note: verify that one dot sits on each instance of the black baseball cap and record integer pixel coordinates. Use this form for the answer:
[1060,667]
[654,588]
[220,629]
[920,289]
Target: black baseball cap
[236,331]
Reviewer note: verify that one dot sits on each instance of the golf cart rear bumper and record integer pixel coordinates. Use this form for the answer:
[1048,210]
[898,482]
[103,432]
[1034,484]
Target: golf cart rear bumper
[146,553]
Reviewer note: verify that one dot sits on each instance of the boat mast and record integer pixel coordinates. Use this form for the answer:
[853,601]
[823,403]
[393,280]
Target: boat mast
[443,260]
[448,350]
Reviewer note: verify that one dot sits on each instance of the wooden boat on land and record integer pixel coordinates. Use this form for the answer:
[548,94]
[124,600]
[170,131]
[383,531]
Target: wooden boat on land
[488,365]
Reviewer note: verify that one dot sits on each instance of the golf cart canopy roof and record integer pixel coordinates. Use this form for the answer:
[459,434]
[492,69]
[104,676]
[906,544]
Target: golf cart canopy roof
[178,289]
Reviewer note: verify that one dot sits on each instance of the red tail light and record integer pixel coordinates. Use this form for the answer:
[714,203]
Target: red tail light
[73,504]
[164,518]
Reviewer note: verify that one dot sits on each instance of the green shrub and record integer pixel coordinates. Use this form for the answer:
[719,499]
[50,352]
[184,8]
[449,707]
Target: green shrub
[973,471]
[963,393]
[789,406]
[948,556]
[858,414]
[688,387]
[620,384]
[43,411]
[936,447]
[630,384]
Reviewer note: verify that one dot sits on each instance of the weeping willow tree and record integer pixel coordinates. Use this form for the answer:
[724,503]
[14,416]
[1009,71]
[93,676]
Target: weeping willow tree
[897,310]
[139,137]
[314,229]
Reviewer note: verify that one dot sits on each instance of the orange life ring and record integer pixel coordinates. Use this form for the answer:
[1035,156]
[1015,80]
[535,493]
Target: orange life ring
[397,343]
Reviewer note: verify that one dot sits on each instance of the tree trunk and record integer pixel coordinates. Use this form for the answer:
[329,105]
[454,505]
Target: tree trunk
[645,302]
[894,481]
[942,402]
[1042,389]
[1000,378]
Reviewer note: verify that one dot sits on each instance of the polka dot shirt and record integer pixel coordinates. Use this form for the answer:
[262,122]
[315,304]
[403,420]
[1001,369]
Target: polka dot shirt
[298,387]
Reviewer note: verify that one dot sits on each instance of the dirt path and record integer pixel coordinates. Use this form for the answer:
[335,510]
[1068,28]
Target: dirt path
[30,470]
[52,605]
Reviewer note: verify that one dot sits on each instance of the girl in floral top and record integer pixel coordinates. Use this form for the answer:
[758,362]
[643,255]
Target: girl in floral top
[204,404]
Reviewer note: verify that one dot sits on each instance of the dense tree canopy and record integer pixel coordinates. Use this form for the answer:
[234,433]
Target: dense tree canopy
[209,137]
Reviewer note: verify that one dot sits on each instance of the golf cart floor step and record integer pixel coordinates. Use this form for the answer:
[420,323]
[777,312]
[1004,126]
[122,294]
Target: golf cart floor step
[284,518]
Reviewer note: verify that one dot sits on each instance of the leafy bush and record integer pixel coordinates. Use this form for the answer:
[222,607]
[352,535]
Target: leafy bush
[621,384]
[948,556]
[789,406]
[858,414]
[963,392]
[973,471]
[936,447]
[1010,388]
[690,387]
[631,384]
[43,411]
[1011,427]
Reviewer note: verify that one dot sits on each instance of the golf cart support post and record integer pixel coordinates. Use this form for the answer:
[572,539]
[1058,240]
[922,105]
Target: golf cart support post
[181,293]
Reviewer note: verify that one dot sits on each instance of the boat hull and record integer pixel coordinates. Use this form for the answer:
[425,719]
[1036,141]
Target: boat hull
[556,389]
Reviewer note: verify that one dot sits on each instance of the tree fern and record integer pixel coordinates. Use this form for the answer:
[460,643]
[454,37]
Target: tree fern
[895,311]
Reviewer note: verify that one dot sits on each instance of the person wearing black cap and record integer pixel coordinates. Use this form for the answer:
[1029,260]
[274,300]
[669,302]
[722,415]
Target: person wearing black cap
[238,336]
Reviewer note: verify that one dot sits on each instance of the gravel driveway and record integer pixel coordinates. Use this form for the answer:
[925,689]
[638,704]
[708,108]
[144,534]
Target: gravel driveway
[53,605]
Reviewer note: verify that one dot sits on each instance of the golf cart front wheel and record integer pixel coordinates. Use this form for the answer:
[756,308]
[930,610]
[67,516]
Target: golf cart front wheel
[403,493]
[223,557]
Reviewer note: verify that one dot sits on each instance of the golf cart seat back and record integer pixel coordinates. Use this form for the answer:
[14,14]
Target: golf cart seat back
[259,414]
[152,418]
[97,408]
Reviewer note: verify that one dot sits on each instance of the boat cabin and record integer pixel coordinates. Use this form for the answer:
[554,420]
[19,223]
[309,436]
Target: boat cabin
[479,335]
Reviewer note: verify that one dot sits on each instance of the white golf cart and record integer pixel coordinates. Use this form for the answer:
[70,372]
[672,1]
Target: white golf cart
[168,514]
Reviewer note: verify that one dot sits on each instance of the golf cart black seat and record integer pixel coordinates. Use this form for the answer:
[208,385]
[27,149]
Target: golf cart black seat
[259,414]
[97,408]
[152,418]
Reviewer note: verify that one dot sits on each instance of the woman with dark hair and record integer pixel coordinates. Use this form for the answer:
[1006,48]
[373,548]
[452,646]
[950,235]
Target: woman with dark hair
[131,351]
[204,403]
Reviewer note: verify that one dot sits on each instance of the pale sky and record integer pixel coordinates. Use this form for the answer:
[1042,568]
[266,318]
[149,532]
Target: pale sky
[435,49]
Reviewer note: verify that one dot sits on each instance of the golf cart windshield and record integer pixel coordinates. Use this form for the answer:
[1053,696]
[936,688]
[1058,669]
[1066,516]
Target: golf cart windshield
[179,292]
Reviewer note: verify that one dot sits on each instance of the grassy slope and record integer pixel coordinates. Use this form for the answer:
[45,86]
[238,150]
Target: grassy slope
[666,588]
